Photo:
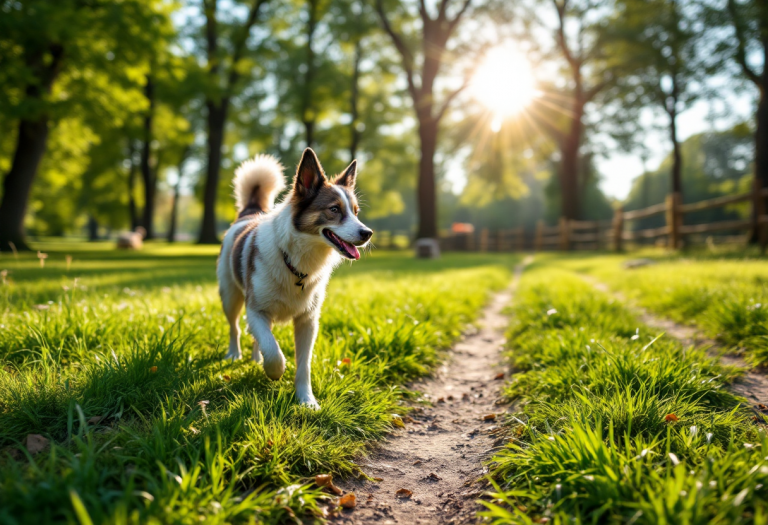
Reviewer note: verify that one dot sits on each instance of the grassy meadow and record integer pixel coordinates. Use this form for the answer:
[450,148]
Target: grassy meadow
[615,422]
[116,359]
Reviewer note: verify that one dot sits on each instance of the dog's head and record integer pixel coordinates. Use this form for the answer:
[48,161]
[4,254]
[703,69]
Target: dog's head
[327,209]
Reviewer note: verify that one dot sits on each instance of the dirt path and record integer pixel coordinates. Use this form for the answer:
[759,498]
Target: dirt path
[752,385]
[439,454]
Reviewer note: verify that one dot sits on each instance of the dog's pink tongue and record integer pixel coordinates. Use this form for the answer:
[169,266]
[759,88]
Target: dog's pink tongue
[351,249]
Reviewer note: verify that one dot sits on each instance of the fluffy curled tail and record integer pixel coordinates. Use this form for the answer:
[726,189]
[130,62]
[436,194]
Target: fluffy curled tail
[257,182]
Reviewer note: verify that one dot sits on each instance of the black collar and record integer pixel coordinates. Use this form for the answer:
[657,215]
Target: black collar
[294,271]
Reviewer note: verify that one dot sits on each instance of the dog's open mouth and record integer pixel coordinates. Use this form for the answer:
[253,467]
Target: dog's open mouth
[348,250]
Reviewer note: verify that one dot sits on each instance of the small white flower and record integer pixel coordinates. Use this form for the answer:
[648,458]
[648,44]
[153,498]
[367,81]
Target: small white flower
[709,437]
[748,446]
[551,311]
[674,459]
[694,430]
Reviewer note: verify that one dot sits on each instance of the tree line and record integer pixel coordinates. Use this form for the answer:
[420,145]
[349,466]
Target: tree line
[102,101]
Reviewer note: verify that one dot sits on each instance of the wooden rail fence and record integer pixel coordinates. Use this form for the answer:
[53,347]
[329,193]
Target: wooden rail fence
[612,234]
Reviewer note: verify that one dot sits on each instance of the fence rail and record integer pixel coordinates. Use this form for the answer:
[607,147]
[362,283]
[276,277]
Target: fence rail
[599,235]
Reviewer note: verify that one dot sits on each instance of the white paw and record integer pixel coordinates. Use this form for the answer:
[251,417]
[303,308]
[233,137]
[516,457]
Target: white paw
[233,355]
[274,366]
[309,402]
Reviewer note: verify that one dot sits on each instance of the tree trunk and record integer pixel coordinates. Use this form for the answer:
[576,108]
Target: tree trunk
[570,163]
[677,159]
[132,210]
[31,142]
[176,192]
[426,197]
[354,95]
[217,117]
[308,116]
[30,147]
[93,229]
[148,176]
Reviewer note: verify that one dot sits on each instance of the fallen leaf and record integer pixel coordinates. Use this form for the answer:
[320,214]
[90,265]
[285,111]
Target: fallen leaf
[417,462]
[226,378]
[397,421]
[346,361]
[36,443]
[489,417]
[762,407]
[95,420]
[348,501]
[499,376]
[671,418]
[326,480]
[403,493]
[269,443]
[152,369]
[434,476]
[378,479]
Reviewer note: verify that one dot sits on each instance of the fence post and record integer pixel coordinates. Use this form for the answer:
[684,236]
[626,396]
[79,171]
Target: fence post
[618,229]
[521,239]
[674,220]
[758,211]
[539,236]
[598,235]
[484,240]
[565,234]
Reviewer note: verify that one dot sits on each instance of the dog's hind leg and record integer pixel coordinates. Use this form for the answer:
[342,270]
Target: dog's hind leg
[232,301]
[261,328]
[305,332]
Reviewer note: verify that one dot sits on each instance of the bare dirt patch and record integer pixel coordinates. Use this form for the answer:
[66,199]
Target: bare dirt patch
[428,471]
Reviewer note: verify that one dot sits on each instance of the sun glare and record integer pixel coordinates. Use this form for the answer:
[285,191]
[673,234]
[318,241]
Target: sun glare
[503,83]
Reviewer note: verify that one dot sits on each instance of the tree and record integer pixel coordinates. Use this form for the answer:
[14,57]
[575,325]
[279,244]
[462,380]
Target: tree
[44,46]
[433,37]
[224,69]
[665,65]
[579,37]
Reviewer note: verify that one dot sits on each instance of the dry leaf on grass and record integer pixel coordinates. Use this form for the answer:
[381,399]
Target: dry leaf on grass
[348,501]
[499,376]
[346,361]
[326,480]
[671,417]
[489,417]
[403,493]
[226,378]
[36,443]
[152,369]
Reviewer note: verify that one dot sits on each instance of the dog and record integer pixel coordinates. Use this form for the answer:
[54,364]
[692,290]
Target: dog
[278,261]
[132,240]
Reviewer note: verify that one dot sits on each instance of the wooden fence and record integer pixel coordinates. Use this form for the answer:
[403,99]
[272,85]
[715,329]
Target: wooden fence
[612,234]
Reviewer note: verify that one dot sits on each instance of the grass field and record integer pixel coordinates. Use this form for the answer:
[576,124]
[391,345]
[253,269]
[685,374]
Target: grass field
[726,297]
[116,360]
[616,424]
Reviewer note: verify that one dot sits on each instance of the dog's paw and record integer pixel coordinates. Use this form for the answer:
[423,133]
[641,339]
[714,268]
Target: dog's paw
[309,402]
[274,366]
[233,356]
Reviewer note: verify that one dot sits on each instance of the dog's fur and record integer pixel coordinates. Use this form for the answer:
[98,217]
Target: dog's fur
[310,230]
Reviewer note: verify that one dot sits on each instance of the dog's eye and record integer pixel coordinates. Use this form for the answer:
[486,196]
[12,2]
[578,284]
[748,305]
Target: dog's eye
[335,209]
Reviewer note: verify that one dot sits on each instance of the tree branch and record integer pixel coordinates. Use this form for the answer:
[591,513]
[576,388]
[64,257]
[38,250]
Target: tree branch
[402,48]
[741,53]
[239,45]
[209,7]
[561,41]
[457,19]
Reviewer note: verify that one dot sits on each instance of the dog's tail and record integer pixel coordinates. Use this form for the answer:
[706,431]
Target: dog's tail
[257,182]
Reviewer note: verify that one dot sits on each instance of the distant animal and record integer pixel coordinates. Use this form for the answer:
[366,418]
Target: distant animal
[132,240]
[278,261]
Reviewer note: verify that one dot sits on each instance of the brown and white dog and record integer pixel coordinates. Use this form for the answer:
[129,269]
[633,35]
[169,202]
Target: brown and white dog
[278,261]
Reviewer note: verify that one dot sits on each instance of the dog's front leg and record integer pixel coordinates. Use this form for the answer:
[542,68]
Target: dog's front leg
[261,328]
[305,332]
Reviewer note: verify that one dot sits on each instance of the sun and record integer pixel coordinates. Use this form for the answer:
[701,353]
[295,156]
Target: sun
[504,83]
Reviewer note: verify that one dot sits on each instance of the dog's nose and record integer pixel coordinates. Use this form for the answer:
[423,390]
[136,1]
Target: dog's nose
[366,233]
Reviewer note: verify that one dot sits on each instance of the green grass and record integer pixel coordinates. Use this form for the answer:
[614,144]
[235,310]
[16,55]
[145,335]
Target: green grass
[137,339]
[592,441]
[727,298]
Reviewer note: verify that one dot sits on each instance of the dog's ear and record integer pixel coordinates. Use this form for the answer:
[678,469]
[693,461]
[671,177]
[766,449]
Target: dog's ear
[309,175]
[349,177]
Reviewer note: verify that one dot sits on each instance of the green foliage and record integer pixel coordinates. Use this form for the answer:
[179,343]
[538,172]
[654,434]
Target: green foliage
[197,438]
[594,442]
